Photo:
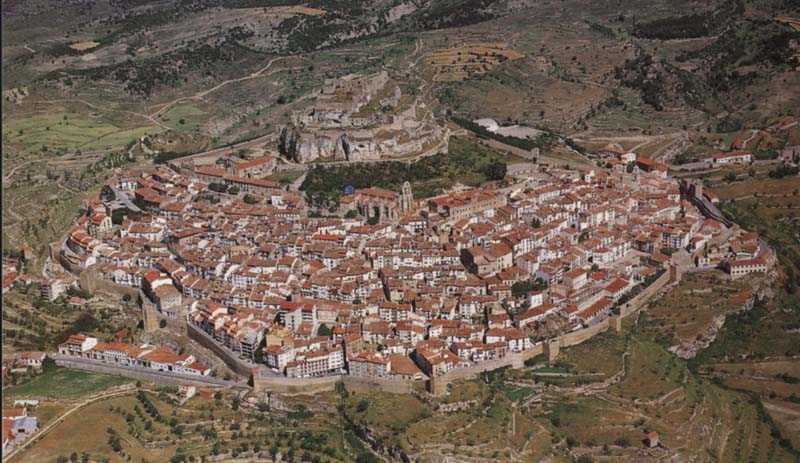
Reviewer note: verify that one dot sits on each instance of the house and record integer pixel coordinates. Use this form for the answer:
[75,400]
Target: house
[741,267]
[319,362]
[168,300]
[734,157]
[256,168]
[369,365]
[515,338]
[536,298]
[436,362]
[534,314]
[651,439]
[596,312]
[52,288]
[489,261]
[402,367]
[29,359]
[277,357]
[617,288]
[576,279]
[77,345]
[98,224]
[18,425]
[651,165]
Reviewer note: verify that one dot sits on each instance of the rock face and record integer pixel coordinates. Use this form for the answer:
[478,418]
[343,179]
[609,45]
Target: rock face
[400,10]
[360,118]
[304,147]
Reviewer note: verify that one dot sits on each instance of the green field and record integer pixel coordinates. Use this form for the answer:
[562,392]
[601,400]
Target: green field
[184,117]
[65,383]
[62,131]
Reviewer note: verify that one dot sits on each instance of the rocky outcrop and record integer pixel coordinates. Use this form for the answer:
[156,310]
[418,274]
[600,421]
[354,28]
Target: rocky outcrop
[352,145]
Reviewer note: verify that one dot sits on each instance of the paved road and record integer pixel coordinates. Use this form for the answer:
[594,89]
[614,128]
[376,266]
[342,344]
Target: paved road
[124,198]
[137,372]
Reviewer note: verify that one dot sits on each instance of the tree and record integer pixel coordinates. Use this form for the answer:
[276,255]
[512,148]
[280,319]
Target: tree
[324,331]
[48,365]
[118,215]
[250,199]
[362,406]
[730,177]
[218,187]
[234,190]
[495,170]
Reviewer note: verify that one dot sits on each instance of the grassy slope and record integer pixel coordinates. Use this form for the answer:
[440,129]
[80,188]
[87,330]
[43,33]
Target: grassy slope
[65,383]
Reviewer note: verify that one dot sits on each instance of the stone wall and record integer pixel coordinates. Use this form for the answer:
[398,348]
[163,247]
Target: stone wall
[638,302]
[91,281]
[498,145]
[284,385]
[230,358]
[395,386]
[438,385]
[576,337]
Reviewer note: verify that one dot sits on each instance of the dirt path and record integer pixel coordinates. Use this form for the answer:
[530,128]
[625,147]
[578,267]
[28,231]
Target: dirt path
[97,108]
[780,409]
[14,170]
[165,106]
[753,133]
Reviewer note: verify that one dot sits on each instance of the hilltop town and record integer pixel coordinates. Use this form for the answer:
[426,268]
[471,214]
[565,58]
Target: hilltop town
[390,286]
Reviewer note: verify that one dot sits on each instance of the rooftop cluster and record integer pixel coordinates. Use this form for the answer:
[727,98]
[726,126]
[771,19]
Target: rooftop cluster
[393,285]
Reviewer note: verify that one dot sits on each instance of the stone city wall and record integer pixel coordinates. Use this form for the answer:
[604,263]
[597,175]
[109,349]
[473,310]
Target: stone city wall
[498,145]
[576,337]
[93,282]
[284,385]
[392,385]
[438,384]
[640,299]
[239,366]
